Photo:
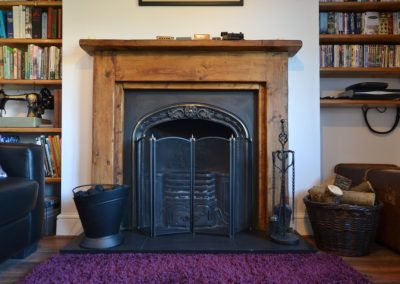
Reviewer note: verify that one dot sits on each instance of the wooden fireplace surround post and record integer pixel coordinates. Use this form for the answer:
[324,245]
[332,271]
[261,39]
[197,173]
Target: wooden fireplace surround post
[258,65]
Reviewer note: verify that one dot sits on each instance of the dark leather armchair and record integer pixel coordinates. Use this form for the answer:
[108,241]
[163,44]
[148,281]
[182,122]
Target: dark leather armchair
[21,199]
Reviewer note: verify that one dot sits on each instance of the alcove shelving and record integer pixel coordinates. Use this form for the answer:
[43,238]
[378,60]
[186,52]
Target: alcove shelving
[34,85]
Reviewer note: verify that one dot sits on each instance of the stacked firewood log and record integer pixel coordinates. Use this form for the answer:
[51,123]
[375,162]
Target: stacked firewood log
[338,189]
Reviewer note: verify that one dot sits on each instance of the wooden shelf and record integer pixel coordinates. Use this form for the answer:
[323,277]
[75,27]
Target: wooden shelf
[31,3]
[345,72]
[29,130]
[357,103]
[359,6]
[341,72]
[97,45]
[358,39]
[37,41]
[30,82]
[52,179]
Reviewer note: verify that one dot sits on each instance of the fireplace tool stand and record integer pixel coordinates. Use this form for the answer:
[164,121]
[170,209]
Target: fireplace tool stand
[282,162]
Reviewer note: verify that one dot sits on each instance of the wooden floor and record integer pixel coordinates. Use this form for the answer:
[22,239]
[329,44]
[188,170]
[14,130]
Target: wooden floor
[381,266]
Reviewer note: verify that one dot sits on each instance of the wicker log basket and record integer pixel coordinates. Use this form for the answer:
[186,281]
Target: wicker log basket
[343,229]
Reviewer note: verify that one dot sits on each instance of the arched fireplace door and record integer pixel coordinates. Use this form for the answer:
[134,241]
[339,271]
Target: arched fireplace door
[193,172]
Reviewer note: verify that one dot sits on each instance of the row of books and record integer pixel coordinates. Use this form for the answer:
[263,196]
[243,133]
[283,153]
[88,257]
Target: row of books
[36,63]
[355,55]
[52,149]
[31,22]
[359,23]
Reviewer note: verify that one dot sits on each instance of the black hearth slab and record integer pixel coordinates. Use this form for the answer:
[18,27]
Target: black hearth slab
[243,242]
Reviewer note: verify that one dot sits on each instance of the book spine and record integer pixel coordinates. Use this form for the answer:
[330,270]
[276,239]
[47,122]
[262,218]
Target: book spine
[54,26]
[16,21]
[36,22]
[53,155]
[57,154]
[57,108]
[21,21]
[28,22]
[40,141]
[59,23]
[49,21]
[47,155]
[10,24]
[1,64]
[3,24]
[50,159]
[44,25]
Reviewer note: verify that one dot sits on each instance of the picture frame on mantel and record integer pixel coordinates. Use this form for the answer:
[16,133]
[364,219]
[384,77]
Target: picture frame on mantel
[191,2]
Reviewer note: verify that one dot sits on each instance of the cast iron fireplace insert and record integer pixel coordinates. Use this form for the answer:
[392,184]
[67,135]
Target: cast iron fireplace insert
[192,164]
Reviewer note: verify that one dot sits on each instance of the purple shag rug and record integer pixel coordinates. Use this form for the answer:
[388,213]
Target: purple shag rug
[194,268]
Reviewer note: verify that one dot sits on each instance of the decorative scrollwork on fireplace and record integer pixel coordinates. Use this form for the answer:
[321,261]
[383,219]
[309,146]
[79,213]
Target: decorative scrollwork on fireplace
[192,111]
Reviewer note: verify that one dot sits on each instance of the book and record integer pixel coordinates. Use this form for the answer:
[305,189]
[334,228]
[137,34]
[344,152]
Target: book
[370,23]
[36,22]
[10,24]
[8,62]
[3,24]
[57,108]
[331,23]
[323,23]
[54,25]
[57,154]
[383,23]
[16,21]
[44,24]
[39,141]
[49,21]
[59,23]
[28,22]
[21,17]
[396,23]
[49,157]
[53,155]
[1,64]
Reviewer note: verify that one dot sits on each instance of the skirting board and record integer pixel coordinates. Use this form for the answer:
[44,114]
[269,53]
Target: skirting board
[69,224]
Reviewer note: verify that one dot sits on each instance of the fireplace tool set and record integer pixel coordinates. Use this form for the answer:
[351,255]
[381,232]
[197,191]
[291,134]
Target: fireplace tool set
[283,163]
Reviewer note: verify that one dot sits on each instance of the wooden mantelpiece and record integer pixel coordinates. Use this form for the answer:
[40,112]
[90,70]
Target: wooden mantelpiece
[290,46]
[119,65]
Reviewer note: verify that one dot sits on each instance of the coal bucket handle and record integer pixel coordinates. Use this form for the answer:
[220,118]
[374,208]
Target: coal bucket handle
[74,190]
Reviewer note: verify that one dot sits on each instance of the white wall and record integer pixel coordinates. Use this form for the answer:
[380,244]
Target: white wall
[345,137]
[124,19]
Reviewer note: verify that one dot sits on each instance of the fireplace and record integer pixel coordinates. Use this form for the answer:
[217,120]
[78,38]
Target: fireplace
[192,160]
[160,107]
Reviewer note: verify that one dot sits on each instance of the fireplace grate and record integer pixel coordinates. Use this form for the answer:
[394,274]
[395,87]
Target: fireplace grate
[192,185]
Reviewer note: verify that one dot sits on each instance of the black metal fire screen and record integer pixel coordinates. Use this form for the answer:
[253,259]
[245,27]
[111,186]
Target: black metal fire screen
[190,184]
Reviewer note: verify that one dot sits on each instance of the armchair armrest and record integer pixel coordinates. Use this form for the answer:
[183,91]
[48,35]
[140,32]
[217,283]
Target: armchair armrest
[22,160]
[26,160]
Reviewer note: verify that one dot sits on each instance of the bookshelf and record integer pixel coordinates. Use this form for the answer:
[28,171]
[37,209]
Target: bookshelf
[359,39]
[357,103]
[49,36]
